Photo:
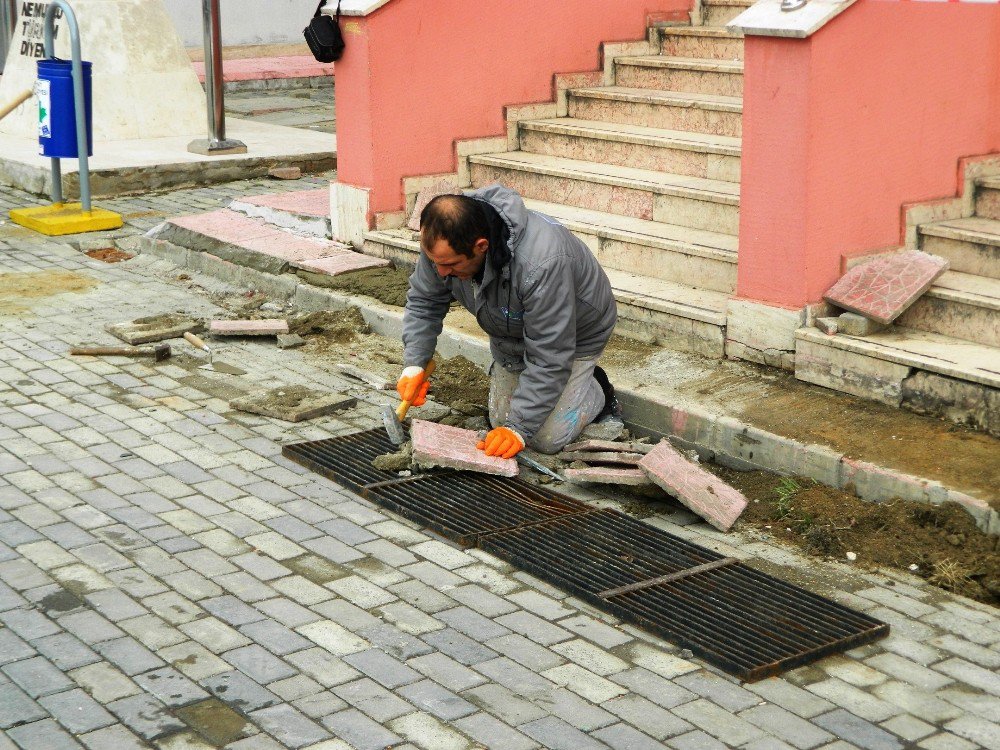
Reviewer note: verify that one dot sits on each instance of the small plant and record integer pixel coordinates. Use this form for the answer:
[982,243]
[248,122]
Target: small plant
[950,575]
[786,491]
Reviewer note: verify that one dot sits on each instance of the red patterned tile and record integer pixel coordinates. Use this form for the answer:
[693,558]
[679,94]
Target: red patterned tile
[702,492]
[345,262]
[438,445]
[606,475]
[882,289]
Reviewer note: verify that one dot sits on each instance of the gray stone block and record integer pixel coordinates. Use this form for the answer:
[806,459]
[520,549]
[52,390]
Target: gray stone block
[259,664]
[382,668]
[359,731]
[129,655]
[857,731]
[42,735]
[146,716]
[77,711]
[16,707]
[434,699]
[171,687]
[290,727]
[37,677]
[239,691]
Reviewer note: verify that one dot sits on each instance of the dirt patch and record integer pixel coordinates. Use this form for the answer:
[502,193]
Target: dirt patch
[457,381]
[340,326]
[941,541]
[387,285]
[109,255]
[292,403]
[17,288]
[399,461]
[623,353]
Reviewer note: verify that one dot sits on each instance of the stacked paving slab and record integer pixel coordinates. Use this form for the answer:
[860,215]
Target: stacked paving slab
[646,171]
[942,355]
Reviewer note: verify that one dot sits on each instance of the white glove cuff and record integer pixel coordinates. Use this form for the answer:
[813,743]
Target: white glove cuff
[411,371]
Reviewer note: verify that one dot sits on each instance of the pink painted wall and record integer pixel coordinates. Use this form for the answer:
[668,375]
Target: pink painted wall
[841,129]
[418,75]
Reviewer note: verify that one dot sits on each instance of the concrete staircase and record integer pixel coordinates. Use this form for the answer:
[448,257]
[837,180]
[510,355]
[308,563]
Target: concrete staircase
[942,356]
[646,171]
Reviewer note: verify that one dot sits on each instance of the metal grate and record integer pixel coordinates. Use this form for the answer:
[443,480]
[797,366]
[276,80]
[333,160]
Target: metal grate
[746,622]
[459,505]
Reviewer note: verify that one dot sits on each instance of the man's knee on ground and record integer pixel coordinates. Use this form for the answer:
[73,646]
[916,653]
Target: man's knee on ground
[547,443]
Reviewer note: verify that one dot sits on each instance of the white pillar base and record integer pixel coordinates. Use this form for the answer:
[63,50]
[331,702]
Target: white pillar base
[349,210]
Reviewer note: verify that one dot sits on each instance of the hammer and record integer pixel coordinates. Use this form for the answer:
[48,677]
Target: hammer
[159,352]
[392,419]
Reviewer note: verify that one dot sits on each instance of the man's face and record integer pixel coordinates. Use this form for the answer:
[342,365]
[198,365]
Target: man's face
[449,263]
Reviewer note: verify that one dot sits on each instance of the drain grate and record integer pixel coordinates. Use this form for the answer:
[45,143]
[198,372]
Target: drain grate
[459,505]
[746,622]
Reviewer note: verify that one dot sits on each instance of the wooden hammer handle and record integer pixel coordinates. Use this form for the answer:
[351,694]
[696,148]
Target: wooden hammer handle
[405,405]
[11,106]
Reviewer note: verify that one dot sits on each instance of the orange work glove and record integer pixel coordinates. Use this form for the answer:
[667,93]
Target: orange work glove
[411,388]
[502,442]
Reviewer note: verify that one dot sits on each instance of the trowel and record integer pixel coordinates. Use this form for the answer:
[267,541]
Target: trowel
[212,365]
[393,418]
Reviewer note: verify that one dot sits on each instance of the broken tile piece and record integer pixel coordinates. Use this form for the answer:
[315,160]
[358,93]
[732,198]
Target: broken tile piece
[290,340]
[602,457]
[882,289]
[248,327]
[375,381]
[609,445]
[153,328]
[852,324]
[285,173]
[293,403]
[425,196]
[829,326]
[607,475]
[341,263]
[438,445]
[702,492]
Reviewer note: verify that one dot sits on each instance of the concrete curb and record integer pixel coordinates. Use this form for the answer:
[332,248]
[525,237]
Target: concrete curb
[723,439]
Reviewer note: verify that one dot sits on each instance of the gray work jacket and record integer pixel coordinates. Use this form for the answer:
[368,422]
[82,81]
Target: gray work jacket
[551,304]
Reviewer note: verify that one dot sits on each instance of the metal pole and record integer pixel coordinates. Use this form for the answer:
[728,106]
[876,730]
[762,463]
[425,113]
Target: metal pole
[8,17]
[214,97]
[79,103]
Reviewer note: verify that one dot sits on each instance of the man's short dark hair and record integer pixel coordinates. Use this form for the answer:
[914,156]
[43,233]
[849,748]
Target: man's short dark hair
[457,219]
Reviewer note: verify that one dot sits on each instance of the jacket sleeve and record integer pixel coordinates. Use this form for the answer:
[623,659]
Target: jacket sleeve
[549,298]
[427,303]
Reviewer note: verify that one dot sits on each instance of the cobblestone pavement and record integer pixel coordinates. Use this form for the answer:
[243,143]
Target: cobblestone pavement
[309,108]
[168,580]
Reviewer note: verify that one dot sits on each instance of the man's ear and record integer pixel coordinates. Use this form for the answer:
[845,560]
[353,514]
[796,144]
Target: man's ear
[481,247]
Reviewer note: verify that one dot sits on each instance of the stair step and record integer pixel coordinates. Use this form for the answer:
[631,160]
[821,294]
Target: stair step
[971,245]
[303,211]
[671,110]
[716,14]
[959,305]
[928,372]
[652,309]
[693,154]
[988,197]
[701,41]
[641,193]
[701,259]
[689,74]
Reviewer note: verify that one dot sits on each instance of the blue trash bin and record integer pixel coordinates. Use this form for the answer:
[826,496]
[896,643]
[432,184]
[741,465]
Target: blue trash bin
[56,115]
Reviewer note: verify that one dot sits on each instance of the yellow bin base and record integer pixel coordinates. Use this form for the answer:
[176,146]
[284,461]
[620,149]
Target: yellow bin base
[65,218]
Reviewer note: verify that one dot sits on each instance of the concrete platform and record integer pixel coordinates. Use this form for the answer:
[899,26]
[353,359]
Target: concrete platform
[136,166]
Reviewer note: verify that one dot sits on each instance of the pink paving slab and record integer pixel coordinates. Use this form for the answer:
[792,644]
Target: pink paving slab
[438,445]
[265,68]
[606,475]
[248,327]
[345,262]
[702,492]
[609,445]
[425,196]
[883,288]
[302,202]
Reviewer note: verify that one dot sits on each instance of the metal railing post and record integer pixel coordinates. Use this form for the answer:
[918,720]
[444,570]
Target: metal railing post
[79,103]
[217,143]
[8,17]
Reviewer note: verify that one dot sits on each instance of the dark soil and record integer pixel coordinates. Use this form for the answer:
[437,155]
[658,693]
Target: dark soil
[341,326]
[387,285]
[942,541]
[459,381]
[109,255]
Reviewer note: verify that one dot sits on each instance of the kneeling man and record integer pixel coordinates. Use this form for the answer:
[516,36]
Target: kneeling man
[542,297]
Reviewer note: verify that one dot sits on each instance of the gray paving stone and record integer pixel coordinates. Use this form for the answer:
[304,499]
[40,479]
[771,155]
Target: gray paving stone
[37,676]
[718,722]
[696,740]
[491,732]
[65,651]
[290,727]
[231,610]
[781,692]
[787,726]
[446,671]
[76,711]
[259,664]
[239,691]
[275,637]
[42,735]
[90,627]
[525,652]
[382,668]
[130,656]
[657,689]
[146,716]
[394,641]
[646,716]
[624,737]
[981,731]
[556,734]
[359,731]
[374,700]
[28,624]
[534,628]
[13,648]
[434,699]
[719,690]
[16,707]
[171,687]
[857,731]
[116,737]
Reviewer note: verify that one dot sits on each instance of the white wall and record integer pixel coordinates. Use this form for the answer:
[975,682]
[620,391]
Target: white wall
[245,21]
